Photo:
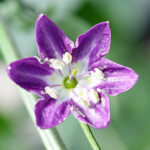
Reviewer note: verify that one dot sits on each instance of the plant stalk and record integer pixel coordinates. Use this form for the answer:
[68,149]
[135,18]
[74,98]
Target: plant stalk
[89,135]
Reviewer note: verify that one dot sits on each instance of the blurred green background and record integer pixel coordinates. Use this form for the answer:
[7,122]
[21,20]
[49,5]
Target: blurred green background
[130,25]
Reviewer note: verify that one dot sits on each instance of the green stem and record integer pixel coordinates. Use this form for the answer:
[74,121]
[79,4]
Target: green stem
[50,138]
[89,135]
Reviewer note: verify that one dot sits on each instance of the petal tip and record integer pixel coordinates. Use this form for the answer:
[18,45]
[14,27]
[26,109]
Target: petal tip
[135,77]
[41,15]
[106,124]
[104,23]
[9,69]
[107,22]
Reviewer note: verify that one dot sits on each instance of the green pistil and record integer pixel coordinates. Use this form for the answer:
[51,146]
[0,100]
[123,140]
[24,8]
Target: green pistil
[70,84]
[74,72]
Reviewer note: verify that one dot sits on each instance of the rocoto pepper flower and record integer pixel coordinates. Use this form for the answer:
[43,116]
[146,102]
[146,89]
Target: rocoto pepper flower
[72,77]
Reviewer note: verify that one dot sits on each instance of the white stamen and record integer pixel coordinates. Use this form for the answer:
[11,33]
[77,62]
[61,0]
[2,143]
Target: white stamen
[85,102]
[82,93]
[97,74]
[51,92]
[94,96]
[67,58]
[82,97]
[56,64]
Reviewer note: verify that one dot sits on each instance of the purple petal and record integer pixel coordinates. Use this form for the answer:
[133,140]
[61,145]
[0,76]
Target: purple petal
[30,74]
[93,44]
[50,113]
[97,116]
[51,40]
[118,78]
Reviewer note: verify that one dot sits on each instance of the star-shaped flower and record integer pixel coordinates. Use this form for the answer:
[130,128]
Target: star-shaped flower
[72,77]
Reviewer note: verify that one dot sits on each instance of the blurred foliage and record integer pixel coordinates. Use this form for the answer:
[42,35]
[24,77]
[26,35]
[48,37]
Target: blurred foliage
[4,126]
[2,1]
[130,26]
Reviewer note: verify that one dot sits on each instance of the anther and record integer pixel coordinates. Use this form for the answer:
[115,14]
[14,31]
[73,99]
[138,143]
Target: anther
[56,64]
[97,74]
[51,92]
[94,96]
[67,58]
[85,102]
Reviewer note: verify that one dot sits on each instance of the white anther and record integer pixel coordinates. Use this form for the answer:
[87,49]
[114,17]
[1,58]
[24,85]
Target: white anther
[51,92]
[97,74]
[82,97]
[81,92]
[85,102]
[56,64]
[94,96]
[67,58]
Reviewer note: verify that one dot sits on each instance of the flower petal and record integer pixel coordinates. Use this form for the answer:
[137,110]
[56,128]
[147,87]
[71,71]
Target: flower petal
[93,44]
[49,113]
[51,40]
[97,115]
[30,74]
[118,78]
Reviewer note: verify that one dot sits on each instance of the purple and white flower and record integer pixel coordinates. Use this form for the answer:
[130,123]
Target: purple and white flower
[72,78]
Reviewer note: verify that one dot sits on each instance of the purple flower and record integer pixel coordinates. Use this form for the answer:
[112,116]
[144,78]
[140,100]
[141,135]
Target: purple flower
[72,77]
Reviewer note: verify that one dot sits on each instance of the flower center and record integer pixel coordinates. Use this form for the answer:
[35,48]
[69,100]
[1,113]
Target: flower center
[70,83]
